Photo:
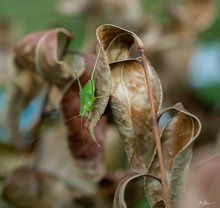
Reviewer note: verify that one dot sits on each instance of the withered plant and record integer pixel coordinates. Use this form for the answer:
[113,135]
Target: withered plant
[128,86]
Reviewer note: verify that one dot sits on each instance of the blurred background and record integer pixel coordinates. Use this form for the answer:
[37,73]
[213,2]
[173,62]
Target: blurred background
[182,42]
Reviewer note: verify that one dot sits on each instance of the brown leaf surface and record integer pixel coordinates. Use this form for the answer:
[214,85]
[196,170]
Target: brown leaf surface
[42,53]
[177,140]
[118,43]
[132,111]
[28,188]
[10,158]
[119,201]
[53,156]
[102,78]
[114,44]
[82,146]
[115,41]
[36,61]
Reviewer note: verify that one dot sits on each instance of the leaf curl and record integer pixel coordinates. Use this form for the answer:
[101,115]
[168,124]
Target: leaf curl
[116,50]
[102,76]
[114,44]
[119,201]
[49,53]
[177,138]
[36,61]
[42,53]
[132,111]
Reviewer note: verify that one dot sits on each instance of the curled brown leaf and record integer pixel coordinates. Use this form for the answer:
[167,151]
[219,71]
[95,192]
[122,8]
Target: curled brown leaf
[177,140]
[114,44]
[42,53]
[119,201]
[102,78]
[132,110]
[36,61]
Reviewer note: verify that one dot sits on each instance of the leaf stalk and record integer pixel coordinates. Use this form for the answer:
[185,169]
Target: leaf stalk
[156,130]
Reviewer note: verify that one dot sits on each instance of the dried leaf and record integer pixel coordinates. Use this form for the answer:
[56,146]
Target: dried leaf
[42,53]
[28,188]
[52,155]
[83,148]
[102,89]
[114,44]
[22,89]
[119,201]
[132,110]
[108,185]
[115,41]
[36,61]
[10,158]
[177,140]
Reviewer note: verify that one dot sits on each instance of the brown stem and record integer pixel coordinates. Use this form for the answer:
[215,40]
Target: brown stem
[156,131]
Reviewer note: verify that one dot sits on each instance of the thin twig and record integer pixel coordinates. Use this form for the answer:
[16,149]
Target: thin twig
[156,131]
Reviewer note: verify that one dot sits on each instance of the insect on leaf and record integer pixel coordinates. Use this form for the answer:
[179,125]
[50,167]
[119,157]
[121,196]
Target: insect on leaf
[102,83]
[130,106]
[86,152]
[87,94]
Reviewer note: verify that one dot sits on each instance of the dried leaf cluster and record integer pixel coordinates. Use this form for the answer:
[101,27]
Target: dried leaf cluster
[43,58]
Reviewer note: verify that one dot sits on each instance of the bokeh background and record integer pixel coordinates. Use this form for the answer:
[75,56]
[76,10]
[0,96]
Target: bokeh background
[182,42]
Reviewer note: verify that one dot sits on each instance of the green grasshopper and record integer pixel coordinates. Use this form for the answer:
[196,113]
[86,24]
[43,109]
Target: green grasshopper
[87,96]
[87,93]
[87,99]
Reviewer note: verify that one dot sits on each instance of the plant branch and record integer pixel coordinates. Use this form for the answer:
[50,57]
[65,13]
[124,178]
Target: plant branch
[156,131]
